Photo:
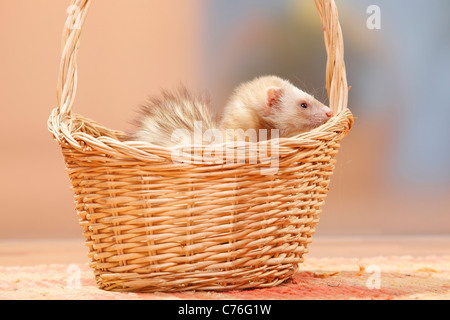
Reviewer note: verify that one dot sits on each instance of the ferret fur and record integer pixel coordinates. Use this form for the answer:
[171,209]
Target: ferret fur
[178,113]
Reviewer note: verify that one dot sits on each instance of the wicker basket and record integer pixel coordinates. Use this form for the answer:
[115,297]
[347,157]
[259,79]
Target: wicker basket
[152,224]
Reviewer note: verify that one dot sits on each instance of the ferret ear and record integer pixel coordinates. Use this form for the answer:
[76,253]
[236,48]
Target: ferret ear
[274,95]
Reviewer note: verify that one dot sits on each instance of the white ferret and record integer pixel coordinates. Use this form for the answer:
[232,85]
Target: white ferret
[267,102]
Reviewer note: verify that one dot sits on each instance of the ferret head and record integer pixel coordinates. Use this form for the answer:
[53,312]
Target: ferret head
[270,102]
[292,110]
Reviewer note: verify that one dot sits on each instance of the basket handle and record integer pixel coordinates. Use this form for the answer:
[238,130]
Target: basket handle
[67,77]
[336,79]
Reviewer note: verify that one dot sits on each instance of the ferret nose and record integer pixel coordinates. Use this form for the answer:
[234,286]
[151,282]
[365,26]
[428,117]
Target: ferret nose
[329,114]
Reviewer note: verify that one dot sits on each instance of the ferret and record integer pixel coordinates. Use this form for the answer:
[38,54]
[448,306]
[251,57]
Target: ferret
[267,102]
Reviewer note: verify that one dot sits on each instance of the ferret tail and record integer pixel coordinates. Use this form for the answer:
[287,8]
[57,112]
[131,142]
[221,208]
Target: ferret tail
[178,118]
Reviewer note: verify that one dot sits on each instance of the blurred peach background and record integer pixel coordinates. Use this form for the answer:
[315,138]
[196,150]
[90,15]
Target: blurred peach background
[392,175]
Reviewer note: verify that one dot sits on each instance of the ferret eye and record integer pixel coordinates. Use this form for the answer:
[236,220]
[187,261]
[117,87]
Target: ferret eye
[304,105]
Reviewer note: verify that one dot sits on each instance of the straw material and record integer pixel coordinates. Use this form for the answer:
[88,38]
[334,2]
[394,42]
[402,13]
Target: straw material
[152,224]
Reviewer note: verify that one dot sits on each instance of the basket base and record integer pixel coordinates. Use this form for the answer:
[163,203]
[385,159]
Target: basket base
[189,281]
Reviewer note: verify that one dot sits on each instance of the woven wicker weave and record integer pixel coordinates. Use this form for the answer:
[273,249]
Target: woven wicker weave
[155,225]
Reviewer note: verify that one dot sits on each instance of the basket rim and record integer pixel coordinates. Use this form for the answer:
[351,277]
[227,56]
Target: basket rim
[68,131]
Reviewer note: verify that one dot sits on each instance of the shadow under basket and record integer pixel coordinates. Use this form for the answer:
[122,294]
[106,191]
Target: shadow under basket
[155,224]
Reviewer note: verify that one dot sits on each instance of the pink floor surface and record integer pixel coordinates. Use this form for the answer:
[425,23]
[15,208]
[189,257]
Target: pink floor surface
[368,278]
